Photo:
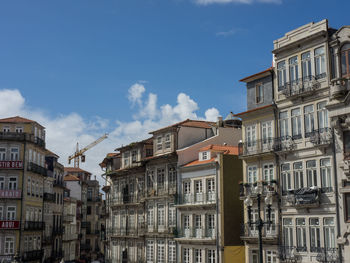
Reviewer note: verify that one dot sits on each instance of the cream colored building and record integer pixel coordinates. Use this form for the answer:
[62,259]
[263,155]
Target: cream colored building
[70,235]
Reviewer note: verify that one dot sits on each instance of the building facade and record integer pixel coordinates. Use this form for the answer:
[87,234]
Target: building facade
[70,235]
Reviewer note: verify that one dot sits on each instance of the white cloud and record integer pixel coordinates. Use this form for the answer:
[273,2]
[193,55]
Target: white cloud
[227,33]
[210,2]
[135,93]
[64,131]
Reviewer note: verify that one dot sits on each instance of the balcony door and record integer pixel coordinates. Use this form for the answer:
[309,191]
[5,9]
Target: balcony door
[198,226]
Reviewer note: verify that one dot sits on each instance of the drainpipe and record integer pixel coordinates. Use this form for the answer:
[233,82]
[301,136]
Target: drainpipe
[336,195]
[217,211]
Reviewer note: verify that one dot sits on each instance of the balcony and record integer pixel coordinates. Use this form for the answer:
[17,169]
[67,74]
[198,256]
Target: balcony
[125,199]
[306,197]
[196,233]
[321,137]
[57,254]
[289,254]
[48,197]
[284,144]
[39,142]
[251,233]
[34,225]
[32,255]
[327,255]
[197,199]
[15,136]
[246,189]
[58,183]
[85,224]
[339,88]
[11,194]
[256,147]
[32,167]
[58,231]
[302,87]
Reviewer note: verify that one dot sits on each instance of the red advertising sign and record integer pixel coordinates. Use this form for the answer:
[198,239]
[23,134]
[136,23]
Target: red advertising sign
[10,193]
[9,224]
[11,164]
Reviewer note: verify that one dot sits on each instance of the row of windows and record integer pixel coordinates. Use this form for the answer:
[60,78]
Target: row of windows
[159,255]
[19,129]
[163,142]
[9,154]
[32,243]
[36,157]
[34,187]
[8,183]
[9,245]
[198,255]
[310,233]
[288,70]
[196,186]
[10,213]
[199,221]
[33,214]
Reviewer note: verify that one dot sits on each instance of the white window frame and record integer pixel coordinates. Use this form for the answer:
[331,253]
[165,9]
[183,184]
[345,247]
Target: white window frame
[320,62]
[298,174]
[311,173]
[252,174]
[2,153]
[296,123]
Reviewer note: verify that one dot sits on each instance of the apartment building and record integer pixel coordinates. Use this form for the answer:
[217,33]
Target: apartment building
[339,114]
[260,166]
[207,205]
[70,235]
[22,173]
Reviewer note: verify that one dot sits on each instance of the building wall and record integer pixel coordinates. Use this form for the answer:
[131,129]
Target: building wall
[267,99]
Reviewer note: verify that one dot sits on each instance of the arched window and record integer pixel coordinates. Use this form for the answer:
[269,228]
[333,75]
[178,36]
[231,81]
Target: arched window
[345,60]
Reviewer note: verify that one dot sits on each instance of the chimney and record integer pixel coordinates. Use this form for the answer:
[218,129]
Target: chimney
[219,122]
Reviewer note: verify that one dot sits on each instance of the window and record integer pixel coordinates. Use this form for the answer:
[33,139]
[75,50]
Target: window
[329,232]
[172,252]
[254,256]
[268,172]
[187,187]
[150,215]
[282,75]
[88,210]
[161,215]
[159,143]
[204,155]
[161,251]
[186,225]
[345,60]
[296,123]
[211,256]
[19,129]
[311,173]
[309,120]
[252,174]
[286,178]
[306,66]
[347,205]
[9,245]
[271,256]
[172,215]
[172,176]
[326,178]
[322,116]
[28,186]
[167,141]
[198,225]
[14,154]
[251,135]
[150,178]
[11,213]
[259,93]
[2,217]
[198,255]
[198,189]
[6,129]
[134,156]
[283,120]
[160,178]
[186,255]
[12,183]
[211,225]
[315,240]
[298,175]
[266,130]
[301,234]
[346,139]
[2,183]
[211,189]
[320,62]
[126,158]
[293,70]
[2,154]
[150,251]
[288,232]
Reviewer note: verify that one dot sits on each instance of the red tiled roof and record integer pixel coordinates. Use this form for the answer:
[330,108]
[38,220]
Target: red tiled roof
[16,119]
[226,149]
[70,177]
[252,110]
[246,79]
[146,141]
[75,170]
[188,123]
[197,162]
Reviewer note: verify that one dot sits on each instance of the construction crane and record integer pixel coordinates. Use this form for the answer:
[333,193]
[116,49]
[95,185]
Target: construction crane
[80,153]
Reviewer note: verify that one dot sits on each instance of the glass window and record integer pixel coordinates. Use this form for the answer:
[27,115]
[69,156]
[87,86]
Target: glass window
[252,174]
[211,256]
[134,156]
[186,255]
[2,154]
[301,234]
[172,215]
[288,232]
[198,189]
[172,175]
[311,173]
[281,74]
[329,232]
[198,255]
[150,251]
[11,213]
[345,60]
[19,129]
[9,245]
[172,252]
[150,178]
[315,240]
[126,158]
[259,93]
[251,135]
[326,178]
[298,175]
[306,66]
[309,120]
[271,256]
[2,183]
[159,143]
[268,172]
[150,216]
[266,128]
[161,215]
[160,178]
[6,129]
[320,62]
[160,251]
[286,178]
[296,123]
[167,141]
[293,70]
[283,120]
[322,116]
[14,154]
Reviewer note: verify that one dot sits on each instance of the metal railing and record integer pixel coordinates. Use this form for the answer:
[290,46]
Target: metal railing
[288,254]
[251,231]
[14,136]
[197,233]
[49,197]
[58,230]
[33,167]
[302,86]
[34,225]
[198,198]
[256,147]
[268,187]
[327,254]
[32,255]
[321,136]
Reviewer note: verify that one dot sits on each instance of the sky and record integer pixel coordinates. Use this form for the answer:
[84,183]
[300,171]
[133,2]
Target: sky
[126,67]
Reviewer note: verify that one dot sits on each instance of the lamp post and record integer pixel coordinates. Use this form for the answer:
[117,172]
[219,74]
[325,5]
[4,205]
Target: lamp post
[259,223]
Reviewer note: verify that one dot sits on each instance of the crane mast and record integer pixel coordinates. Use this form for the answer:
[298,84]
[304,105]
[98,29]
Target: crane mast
[80,153]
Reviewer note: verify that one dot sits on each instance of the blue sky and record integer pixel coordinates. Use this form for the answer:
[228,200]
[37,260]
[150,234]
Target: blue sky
[80,58]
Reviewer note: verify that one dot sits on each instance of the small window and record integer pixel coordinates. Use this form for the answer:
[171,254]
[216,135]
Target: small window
[259,93]
[134,156]
[19,129]
[14,154]
[2,154]
[167,141]
[159,143]
[6,129]
[205,156]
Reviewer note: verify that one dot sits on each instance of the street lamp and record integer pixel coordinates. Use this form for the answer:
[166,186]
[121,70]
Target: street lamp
[259,223]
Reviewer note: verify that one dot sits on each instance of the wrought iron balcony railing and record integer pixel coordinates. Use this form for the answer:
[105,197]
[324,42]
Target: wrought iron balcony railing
[302,86]
[15,136]
[33,167]
[32,255]
[268,187]
[250,231]
[327,254]
[289,254]
[58,230]
[197,199]
[196,233]
[49,197]
[34,225]
[321,136]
